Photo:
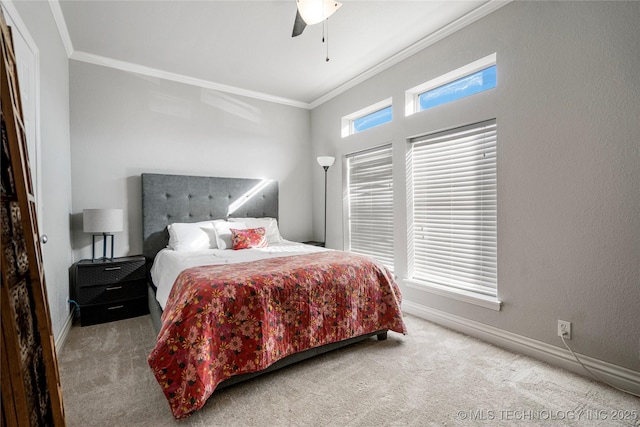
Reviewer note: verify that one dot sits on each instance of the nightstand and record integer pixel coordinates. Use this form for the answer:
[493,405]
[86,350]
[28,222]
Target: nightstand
[110,290]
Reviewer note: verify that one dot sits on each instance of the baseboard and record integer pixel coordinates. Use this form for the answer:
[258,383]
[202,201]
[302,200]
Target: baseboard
[62,336]
[619,376]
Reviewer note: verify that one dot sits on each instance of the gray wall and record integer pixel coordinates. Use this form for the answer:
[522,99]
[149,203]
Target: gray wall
[55,155]
[568,161]
[567,107]
[124,124]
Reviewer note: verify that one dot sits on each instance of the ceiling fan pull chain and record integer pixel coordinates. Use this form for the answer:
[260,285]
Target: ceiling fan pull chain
[327,21]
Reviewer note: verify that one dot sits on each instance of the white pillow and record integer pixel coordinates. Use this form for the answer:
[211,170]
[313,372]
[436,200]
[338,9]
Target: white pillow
[195,236]
[223,233]
[270,226]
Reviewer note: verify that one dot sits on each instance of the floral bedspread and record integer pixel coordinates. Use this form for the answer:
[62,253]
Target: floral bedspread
[226,320]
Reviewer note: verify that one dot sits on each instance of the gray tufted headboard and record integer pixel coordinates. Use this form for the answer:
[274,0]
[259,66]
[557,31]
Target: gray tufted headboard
[179,198]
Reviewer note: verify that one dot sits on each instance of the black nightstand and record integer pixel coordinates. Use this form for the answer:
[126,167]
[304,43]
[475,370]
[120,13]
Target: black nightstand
[110,290]
[312,243]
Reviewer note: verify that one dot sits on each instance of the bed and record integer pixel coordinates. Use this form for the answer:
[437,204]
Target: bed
[225,315]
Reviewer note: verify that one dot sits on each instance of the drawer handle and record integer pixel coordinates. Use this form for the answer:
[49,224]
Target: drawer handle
[112,268]
[116,307]
[114,288]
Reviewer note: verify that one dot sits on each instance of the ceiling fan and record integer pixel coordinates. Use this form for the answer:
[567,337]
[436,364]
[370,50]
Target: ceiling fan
[311,12]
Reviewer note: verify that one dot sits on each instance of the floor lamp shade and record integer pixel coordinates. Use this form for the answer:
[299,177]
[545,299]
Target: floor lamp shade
[105,222]
[326,161]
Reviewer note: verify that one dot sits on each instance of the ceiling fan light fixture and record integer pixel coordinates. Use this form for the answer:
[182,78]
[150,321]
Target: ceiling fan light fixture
[315,11]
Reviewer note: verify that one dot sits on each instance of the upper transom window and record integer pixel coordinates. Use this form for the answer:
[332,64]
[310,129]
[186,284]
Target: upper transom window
[367,118]
[473,78]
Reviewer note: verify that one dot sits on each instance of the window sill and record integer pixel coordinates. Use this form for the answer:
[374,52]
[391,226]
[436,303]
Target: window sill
[459,295]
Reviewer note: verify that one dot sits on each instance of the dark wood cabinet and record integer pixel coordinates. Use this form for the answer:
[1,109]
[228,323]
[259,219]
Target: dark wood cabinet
[110,290]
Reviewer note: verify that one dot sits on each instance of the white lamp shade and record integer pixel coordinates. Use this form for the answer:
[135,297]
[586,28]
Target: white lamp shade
[314,11]
[326,161]
[102,220]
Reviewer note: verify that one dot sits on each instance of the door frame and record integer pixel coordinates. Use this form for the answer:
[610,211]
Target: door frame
[20,30]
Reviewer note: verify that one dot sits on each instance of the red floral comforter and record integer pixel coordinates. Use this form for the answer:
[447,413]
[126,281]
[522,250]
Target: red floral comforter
[225,320]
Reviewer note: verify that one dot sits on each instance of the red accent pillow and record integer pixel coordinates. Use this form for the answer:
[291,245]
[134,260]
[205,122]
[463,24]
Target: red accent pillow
[249,238]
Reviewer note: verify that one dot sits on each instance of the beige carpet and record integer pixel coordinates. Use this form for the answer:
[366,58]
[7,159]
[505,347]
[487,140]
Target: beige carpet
[432,376]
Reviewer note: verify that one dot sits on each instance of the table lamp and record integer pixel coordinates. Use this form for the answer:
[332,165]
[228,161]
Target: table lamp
[103,222]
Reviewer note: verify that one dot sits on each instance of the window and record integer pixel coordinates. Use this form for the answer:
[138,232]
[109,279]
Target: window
[367,118]
[372,120]
[473,78]
[453,218]
[370,204]
[465,86]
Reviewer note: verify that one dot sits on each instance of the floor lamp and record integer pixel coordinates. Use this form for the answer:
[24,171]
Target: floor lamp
[325,162]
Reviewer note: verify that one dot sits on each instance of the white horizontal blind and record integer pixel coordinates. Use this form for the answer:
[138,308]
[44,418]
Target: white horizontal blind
[454,208]
[370,198]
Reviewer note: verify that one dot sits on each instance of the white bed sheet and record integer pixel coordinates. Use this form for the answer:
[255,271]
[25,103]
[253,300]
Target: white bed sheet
[169,263]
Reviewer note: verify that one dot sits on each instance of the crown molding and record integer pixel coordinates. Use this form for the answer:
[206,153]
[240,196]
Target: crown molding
[154,72]
[482,11]
[54,5]
[431,39]
[180,78]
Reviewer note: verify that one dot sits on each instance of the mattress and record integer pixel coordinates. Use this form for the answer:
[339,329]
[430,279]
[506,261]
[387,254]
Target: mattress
[168,264]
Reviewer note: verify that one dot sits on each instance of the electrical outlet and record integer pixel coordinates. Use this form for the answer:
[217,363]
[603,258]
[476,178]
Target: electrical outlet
[564,329]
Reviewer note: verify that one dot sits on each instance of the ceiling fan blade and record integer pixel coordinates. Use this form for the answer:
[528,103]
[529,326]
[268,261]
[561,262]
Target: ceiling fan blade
[298,25]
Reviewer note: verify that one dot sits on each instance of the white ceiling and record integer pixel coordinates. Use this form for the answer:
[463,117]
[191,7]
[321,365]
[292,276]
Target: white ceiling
[245,47]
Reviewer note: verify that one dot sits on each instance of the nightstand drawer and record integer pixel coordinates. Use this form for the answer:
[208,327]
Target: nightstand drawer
[100,313]
[112,292]
[107,290]
[108,273]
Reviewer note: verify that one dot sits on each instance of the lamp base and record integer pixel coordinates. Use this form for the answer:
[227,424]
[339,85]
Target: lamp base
[105,237]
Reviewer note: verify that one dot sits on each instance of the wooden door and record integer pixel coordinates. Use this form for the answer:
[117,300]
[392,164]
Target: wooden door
[31,392]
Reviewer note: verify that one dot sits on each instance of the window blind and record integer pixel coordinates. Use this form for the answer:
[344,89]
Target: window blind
[370,204]
[454,209]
